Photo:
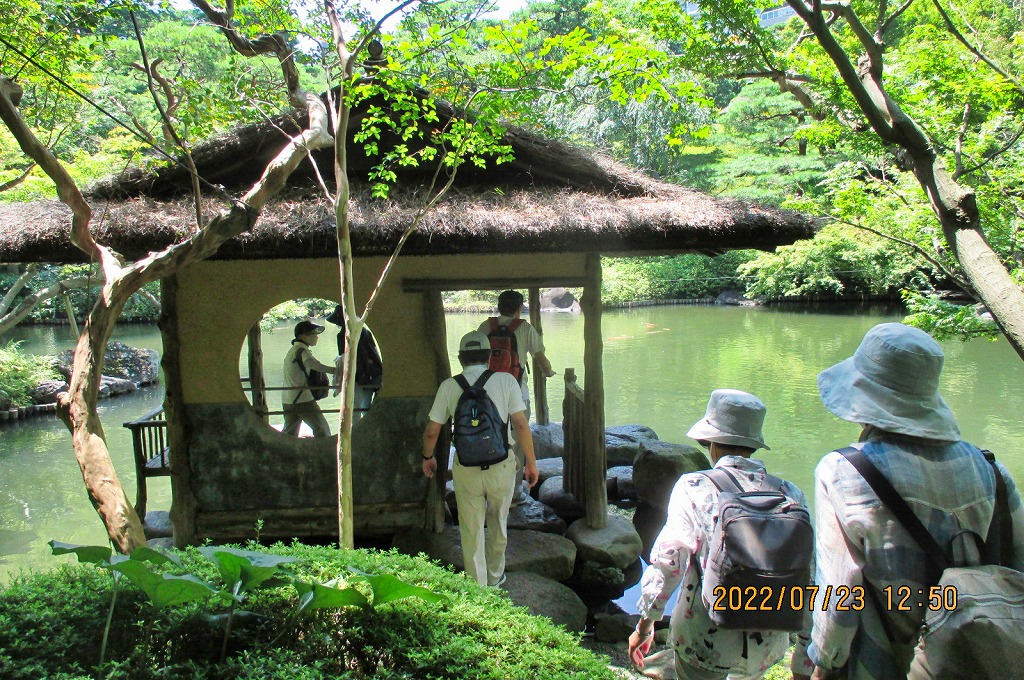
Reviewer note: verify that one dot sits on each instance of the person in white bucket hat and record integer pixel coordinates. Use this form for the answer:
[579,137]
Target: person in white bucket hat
[731,431]
[890,387]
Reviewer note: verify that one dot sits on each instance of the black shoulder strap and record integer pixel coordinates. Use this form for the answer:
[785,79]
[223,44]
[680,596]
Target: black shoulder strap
[722,478]
[892,500]
[461,380]
[305,374]
[999,542]
[482,380]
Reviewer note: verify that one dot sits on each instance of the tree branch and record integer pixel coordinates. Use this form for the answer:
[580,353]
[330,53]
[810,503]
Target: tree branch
[974,50]
[25,307]
[10,184]
[16,287]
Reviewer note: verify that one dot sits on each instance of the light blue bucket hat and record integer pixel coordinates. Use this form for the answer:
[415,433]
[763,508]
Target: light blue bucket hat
[732,417]
[892,383]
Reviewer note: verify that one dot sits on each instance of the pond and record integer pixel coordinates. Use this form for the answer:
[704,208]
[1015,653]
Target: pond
[660,365]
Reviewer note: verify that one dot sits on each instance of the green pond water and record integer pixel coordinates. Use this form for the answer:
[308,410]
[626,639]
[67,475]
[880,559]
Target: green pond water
[660,365]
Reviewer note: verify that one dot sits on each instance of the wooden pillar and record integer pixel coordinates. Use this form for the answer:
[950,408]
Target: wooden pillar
[540,385]
[257,384]
[593,397]
[437,336]
[183,502]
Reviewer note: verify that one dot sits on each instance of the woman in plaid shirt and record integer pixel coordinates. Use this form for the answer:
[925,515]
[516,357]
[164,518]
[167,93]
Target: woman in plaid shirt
[890,387]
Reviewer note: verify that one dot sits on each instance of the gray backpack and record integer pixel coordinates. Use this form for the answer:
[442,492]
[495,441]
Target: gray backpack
[974,614]
[759,558]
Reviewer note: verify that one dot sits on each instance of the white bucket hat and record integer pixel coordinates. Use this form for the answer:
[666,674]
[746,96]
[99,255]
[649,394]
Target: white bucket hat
[892,383]
[734,418]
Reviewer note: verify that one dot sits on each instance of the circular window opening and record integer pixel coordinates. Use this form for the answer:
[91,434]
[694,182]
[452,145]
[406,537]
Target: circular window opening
[288,365]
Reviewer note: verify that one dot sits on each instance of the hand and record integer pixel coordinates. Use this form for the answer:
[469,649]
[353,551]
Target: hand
[531,474]
[640,647]
[429,467]
[550,373]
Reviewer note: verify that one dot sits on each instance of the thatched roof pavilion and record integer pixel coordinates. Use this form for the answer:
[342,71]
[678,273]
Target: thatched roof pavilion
[541,220]
[551,198]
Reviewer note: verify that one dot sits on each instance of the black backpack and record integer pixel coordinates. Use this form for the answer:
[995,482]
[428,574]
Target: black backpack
[317,381]
[479,434]
[369,367]
[759,559]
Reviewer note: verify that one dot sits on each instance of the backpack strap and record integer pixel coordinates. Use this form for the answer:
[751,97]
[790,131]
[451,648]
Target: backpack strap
[516,323]
[999,541]
[461,380]
[302,367]
[723,480]
[493,321]
[894,501]
[484,377]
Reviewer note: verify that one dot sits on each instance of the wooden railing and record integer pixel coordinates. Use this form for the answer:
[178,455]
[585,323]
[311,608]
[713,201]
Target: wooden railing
[584,472]
[149,442]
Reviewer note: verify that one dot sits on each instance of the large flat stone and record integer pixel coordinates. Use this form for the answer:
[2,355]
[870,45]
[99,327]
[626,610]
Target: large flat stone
[548,598]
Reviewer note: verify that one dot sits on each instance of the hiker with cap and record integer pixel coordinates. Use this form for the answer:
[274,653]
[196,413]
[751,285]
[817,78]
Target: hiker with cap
[298,400]
[510,334]
[483,488]
[705,650]
[909,436]
[369,367]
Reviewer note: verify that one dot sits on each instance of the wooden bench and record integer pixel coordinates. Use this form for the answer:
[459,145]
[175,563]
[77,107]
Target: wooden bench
[152,455]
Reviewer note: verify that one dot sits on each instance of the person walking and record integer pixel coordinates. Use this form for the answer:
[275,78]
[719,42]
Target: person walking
[297,401]
[528,342]
[482,493]
[890,387]
[731,431]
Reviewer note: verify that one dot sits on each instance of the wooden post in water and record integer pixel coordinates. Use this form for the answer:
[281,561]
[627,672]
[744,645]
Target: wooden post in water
[437,336]
[540,386]
[257,384]
[595,454]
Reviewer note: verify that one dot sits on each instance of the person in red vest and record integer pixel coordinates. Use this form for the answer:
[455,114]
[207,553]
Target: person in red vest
[513,340]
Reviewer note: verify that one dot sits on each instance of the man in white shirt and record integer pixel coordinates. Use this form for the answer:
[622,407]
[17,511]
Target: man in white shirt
[297,401]
[528,343]
[482,493]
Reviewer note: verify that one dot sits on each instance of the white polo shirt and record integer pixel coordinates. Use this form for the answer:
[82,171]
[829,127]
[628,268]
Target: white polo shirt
[500,387]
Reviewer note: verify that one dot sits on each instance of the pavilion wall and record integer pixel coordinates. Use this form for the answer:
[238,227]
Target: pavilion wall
[241,471]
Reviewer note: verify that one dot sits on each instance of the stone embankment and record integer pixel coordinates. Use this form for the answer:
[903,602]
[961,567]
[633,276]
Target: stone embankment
[125,369]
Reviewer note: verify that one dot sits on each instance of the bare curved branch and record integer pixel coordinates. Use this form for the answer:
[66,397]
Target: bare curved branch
[25,307]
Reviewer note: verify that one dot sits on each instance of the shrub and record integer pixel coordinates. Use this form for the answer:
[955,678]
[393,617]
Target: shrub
[51,626]
[20,374]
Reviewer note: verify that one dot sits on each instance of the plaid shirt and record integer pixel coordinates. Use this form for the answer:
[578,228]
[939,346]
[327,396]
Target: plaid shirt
[859,541]
[688,527]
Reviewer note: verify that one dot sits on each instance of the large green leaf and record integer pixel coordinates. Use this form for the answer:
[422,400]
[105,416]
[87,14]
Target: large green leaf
[87,554]
[387,588]
[164,590]
[324,596]
[246,567]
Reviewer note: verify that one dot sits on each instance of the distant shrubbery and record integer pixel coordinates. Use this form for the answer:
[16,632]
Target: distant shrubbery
[53,624]
[20,373]
[671,277]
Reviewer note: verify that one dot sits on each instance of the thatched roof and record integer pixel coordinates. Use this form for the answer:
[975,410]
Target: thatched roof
[551,198]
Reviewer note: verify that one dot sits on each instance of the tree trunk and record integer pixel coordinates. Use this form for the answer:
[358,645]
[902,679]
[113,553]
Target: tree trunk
[77,410]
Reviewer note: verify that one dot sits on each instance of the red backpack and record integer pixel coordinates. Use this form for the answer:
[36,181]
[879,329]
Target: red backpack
[504,351]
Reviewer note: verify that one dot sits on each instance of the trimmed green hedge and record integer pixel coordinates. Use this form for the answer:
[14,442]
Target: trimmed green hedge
[51,625]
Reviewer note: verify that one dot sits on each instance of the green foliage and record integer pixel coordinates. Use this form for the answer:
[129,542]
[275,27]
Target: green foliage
[839,261]
[20,373]
[52,624]
[944,320]
[670,277]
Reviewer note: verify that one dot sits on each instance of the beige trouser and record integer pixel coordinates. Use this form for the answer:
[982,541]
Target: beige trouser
[484,495]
